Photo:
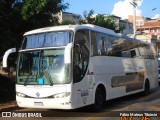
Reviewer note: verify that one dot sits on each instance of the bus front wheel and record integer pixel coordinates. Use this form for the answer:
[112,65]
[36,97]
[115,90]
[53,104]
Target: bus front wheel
[99,99]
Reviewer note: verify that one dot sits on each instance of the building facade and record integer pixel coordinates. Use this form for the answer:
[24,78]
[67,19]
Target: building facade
[128,27]
[150,27]
[67,16]
[140,20]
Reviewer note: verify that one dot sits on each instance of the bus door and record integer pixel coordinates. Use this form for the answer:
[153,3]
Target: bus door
[80,65]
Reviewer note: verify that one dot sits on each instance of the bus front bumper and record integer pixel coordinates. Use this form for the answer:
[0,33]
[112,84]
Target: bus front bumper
[50,103]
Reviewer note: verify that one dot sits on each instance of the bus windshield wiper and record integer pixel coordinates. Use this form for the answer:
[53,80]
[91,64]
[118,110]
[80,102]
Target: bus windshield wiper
[48,77]
[41,67]
[26,81]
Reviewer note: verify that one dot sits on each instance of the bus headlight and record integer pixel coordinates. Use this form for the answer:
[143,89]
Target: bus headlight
[20,94]
[61,95]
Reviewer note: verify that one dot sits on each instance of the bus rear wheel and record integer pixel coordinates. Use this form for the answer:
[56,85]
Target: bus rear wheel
[99,99]
[146,87]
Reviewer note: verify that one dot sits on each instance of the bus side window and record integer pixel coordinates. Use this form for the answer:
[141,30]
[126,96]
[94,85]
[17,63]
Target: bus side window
[125,54]
[94,49]
[133,53]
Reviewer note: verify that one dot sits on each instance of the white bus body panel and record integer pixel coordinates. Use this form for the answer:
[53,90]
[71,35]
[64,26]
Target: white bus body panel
[105,68]
[42,101]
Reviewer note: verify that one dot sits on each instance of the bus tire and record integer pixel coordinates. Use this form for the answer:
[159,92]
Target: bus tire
[146,87]
[99,99]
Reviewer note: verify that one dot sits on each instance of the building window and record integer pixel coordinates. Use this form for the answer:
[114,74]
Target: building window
[155,30]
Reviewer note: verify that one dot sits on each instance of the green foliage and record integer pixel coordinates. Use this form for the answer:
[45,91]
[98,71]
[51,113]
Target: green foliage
[105,21]
[100,20]
[66,22]
[10,21]
[38,13]
[121,27]
[19,16]
[88,17]
[32,7]
[42,7]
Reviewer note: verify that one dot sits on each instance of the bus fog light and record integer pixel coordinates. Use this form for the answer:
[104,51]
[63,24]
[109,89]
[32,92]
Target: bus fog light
[61,95]
[20,94]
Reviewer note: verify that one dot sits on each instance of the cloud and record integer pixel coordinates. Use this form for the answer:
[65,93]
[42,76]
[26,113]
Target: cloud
[124,8]
[157,16]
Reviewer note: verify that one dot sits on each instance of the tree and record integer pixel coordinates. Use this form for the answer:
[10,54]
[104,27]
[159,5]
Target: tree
[67,22]
[19,16]
[88,17]
[42,7]
[10,21]
[100,20]
[121,27]
[105,21]
[38,13]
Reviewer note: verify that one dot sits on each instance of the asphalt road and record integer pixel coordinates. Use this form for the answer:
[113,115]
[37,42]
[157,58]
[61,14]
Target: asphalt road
[137,104]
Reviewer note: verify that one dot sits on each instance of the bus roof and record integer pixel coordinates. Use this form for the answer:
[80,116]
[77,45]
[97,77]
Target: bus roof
[84,26]
[72,27]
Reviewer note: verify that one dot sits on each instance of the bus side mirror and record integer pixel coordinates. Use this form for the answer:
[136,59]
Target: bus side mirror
[6,54]
[67,53]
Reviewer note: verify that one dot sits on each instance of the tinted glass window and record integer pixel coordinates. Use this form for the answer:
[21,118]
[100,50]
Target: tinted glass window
[107,45]
[46,64]
[51,39]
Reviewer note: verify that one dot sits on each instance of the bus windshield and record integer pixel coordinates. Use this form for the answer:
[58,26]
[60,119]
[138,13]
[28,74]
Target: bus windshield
[43,67]
[49,39]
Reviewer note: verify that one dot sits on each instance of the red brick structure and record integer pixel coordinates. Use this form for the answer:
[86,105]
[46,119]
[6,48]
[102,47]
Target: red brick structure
[150,27]
[139,20]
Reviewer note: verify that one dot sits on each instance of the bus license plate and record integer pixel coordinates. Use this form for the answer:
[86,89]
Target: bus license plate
[38,103]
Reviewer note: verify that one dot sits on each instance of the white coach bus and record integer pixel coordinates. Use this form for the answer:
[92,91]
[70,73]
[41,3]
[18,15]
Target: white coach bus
[68,67]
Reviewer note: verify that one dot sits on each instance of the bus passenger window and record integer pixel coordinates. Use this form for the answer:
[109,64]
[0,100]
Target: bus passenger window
[94,49]
[133,53]
[125,54]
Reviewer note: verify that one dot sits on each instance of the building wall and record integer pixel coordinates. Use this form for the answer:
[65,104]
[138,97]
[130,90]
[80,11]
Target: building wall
[68,16]
[72,17]
[150,39]
[139,20]
[151,27]
[128,27]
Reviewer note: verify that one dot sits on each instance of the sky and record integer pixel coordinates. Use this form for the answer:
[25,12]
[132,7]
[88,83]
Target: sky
[121,8]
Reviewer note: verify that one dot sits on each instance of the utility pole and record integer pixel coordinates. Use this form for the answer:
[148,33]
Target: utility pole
[134,4]
[134,12]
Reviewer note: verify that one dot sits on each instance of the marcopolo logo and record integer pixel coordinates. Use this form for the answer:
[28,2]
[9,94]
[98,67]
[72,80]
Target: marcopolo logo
[38,94]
